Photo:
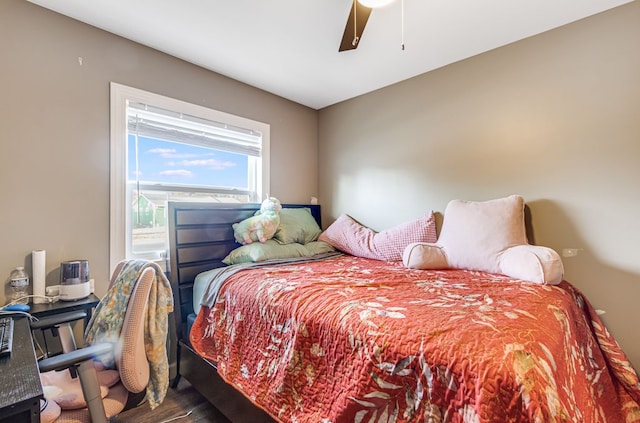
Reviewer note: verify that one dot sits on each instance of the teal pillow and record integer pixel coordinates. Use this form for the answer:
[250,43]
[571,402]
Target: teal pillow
[271,249]
[297,225]
[319,247]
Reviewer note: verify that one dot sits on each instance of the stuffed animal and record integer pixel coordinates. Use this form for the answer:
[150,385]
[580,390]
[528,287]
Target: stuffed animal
[260,227]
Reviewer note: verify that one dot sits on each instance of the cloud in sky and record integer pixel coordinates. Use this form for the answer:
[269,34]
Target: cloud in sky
[209,163]
[178,172]
[177,163]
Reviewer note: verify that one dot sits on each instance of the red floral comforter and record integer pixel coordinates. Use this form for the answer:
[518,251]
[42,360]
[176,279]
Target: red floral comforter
[357,340]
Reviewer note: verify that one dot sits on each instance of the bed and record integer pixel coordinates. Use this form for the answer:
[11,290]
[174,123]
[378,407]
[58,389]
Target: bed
[350,338]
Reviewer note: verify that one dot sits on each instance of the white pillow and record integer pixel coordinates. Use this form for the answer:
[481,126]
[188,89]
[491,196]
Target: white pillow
[488,236]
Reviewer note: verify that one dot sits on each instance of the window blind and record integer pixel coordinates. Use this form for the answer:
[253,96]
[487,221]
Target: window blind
[154,122]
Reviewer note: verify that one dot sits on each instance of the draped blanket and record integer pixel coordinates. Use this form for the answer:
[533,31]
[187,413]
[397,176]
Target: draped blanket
[106,323]
[219,275]
[356,340]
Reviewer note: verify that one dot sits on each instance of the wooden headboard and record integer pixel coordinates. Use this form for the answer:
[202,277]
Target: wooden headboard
[200,236]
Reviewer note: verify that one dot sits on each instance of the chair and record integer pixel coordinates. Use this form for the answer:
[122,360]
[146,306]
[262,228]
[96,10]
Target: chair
[99,393]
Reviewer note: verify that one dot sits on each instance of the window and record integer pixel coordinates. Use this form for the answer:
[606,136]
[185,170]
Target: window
[165,149]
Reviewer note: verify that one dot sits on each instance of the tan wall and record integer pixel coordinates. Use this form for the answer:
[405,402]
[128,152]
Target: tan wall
[54,132]
[555,118]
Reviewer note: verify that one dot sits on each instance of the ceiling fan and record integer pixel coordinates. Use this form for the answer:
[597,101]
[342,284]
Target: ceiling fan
[357,20]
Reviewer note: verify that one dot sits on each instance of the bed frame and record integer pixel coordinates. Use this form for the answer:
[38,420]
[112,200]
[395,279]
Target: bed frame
[200,236]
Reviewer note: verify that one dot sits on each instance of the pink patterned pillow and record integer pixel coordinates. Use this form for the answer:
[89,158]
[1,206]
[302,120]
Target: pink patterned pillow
[353,238]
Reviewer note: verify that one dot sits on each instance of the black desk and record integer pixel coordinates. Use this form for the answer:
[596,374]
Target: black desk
[50,309]
[50,345]
[20,387]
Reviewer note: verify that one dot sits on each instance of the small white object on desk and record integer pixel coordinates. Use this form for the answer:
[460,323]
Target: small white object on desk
[38,266]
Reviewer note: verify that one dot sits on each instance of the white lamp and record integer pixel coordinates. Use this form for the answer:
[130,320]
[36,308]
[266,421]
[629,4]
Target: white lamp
[372,4]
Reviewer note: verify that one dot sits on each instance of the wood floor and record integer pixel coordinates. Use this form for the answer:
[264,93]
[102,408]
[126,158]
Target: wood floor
[178,402]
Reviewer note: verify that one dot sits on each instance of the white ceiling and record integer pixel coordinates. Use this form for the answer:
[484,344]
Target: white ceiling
[290,47]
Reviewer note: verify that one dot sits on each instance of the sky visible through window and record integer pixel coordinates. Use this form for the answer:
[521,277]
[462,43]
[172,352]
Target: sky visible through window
[167,162]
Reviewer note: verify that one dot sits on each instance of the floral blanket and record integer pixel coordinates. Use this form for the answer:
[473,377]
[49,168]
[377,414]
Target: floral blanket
[357,340]
[106,323]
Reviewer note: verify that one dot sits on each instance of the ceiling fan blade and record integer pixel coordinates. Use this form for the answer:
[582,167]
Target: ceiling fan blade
[351,38]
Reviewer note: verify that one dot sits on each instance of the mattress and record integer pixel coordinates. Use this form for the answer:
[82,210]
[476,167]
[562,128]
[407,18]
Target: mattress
[200,285]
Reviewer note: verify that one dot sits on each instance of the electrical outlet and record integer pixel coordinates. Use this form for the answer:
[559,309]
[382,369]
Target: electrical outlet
[569,252]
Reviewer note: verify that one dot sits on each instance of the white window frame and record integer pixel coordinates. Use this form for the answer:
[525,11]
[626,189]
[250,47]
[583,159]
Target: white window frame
[120,239]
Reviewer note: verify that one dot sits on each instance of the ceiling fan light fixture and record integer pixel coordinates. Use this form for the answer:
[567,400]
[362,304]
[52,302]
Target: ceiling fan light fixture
[372,4]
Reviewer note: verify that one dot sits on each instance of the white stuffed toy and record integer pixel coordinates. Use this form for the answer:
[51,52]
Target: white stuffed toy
[260,227]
